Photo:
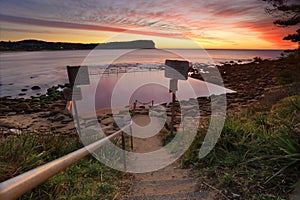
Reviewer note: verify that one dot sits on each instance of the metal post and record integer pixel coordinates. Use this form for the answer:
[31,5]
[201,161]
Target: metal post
[134,107]
[124,150]
[131,137]
[76,117]
[173,112]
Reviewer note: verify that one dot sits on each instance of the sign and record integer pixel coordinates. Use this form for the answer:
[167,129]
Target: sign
[177,69]
[79,74]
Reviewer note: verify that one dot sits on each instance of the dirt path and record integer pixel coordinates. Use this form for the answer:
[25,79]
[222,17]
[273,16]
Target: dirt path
[171,182]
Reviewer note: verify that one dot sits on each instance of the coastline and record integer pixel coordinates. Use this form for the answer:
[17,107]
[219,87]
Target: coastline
[253,82]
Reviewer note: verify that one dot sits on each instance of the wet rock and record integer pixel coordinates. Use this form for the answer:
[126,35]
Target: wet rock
[57,118]
[45,115]
[11,113]
[67,120]
[107,121]
[57,127]
[36,87]
[54,111]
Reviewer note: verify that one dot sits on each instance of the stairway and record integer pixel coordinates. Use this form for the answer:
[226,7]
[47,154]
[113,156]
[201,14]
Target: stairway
[169,183]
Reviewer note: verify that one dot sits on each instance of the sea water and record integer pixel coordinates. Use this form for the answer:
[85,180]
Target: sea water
[22,70]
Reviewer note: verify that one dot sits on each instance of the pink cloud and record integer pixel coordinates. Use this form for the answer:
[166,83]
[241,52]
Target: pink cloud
[68,25]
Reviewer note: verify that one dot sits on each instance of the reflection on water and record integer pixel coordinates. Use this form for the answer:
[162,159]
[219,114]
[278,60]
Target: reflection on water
[22,70]
[123,89]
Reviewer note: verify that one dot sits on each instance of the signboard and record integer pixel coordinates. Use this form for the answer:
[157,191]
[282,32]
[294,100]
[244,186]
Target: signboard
[78,73]
[177,69]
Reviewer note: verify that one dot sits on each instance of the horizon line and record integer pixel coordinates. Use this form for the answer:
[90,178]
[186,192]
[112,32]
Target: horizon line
[154,43]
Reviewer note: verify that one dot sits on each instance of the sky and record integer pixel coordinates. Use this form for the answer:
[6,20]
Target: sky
[220,24]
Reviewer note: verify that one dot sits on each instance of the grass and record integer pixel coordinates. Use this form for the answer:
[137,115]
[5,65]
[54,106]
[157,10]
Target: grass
[87,179]
[257,155]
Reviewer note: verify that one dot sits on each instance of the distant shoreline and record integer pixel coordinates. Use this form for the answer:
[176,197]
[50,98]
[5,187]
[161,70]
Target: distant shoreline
[15,51]
[39,45]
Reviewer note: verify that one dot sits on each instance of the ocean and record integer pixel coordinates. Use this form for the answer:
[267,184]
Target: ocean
[22,70]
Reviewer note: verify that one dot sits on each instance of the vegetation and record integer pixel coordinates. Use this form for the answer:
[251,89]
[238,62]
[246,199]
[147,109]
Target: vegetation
[289,13]
[257,155]
[87,179]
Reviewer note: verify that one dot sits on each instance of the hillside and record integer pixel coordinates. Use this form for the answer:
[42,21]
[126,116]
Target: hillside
[38,45]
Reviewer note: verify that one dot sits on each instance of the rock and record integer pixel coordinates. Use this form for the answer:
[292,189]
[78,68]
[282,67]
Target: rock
[36,87]
[107,128]
[107,121]
[14,132]
[4,108]
[11,113]
[45,115]
[6,124]
[55,111]
[57,118]
[23,106]
[67,120]
[57,127]
[109,132]
[90,123]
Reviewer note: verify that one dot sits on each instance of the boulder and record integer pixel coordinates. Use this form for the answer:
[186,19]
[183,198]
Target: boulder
[36,87]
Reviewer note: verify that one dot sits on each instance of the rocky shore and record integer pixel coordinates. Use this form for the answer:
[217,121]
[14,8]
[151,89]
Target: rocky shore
[47,115]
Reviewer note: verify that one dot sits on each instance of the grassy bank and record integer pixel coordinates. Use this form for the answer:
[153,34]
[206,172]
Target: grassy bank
[87,179]
[257,155]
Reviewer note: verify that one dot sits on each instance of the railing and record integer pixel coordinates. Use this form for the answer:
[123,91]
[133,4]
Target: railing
[17,186]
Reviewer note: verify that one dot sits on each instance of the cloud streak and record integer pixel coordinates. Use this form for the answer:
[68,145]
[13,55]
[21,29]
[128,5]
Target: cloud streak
[215,20]
[68,25]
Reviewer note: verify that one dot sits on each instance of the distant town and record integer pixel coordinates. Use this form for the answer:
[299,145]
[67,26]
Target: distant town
[39,45]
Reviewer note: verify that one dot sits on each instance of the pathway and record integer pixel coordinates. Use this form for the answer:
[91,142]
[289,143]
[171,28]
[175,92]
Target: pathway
[171,182]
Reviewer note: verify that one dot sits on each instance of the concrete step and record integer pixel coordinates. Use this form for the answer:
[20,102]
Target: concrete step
[175,196]
[153,187]
[163,175]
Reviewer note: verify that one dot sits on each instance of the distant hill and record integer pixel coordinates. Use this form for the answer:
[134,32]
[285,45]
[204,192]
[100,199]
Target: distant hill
[38,45]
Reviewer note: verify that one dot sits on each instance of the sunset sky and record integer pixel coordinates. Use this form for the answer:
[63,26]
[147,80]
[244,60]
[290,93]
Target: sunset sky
[234,24]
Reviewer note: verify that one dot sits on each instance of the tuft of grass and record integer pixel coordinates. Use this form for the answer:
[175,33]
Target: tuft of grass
[257,155]
[86,179]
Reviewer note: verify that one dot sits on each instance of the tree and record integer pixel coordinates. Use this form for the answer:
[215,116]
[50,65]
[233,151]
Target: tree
[289,12]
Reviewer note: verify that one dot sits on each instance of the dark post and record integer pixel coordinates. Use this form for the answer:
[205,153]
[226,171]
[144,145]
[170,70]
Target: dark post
[134,107]
[175,70]
[124,150]
[131,137]
[77,117]
[173,112]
